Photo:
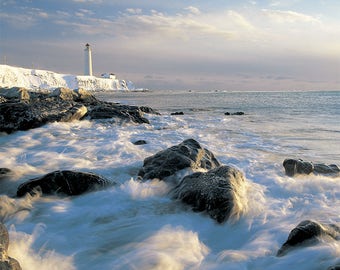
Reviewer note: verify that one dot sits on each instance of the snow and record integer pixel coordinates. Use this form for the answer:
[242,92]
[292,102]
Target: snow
[35,79]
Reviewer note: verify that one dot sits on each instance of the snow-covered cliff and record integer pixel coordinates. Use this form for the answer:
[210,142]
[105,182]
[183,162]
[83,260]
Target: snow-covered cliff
[35,79]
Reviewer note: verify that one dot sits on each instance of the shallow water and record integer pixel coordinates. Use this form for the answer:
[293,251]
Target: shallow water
[137,225]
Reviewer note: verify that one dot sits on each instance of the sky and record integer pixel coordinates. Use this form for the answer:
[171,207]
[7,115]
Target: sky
[231,45]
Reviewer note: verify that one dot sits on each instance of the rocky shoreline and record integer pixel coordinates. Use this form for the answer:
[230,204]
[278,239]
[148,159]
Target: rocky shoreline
[21,109]
[197,179]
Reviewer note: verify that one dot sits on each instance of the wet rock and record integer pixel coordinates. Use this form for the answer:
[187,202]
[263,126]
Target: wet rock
[6,262]
[18,94]
[63,182]
[140,142]
[188,154]
[5,173]
[22,116]
[307,232]
[235,113]
[298,166]
[61,105]
[219,192]
[149,110]
[121,113]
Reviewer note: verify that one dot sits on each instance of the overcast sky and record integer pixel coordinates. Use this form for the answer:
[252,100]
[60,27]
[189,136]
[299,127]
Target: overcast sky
[180,44]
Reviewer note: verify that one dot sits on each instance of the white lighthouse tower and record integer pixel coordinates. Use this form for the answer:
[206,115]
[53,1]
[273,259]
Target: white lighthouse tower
[88,61]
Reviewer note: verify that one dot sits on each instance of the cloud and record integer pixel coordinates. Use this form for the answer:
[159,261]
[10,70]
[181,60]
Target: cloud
[134,10]
[280,16]
[23,21]
[193,10]
[184,42]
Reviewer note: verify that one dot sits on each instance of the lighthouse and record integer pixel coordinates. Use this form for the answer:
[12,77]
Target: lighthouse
[88,61]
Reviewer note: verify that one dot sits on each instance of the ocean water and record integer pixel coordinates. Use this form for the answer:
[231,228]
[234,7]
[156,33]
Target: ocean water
[137,225]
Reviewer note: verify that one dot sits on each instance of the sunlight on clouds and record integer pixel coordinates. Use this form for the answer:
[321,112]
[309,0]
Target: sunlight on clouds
[288,16]
[134,10]
[193,10]
[202,40]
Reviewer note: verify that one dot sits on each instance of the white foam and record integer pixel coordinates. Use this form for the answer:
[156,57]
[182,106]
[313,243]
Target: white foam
[135,224]
[169,248]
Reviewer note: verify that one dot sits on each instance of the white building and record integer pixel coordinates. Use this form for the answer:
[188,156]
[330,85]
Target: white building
[88,61]
[108,76]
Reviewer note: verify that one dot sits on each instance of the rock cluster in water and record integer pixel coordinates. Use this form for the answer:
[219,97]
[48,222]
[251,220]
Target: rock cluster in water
[6,262]
[298,166]
[198,179]
[21,109]
[217,191]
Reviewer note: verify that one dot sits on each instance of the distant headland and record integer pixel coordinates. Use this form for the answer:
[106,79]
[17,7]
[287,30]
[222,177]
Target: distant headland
[35,79]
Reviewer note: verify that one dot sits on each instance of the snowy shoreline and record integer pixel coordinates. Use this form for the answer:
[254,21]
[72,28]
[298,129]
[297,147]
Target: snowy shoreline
[34,79]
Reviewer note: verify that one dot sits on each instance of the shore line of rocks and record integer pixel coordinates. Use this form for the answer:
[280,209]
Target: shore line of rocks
[216,191]
[21,109]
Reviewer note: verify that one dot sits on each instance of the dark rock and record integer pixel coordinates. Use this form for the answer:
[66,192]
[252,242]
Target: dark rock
[326,169]
[23,110]
[6,262]
[218,192]
[177,113]
[149,110]
[188,154]
[235,113]
[5,173]
[22,116]
[15,94]
[139,142]
[119,112]
[298,166]
[64,182]
[308,232]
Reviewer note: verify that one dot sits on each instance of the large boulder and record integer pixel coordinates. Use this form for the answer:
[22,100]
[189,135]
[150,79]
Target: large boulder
[298,166]
[63,182]
[187,155]
[6,262]
[219,192]
[307,232]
